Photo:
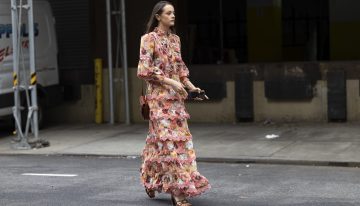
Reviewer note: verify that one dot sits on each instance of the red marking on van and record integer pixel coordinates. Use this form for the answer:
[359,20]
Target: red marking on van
[25,44]
[4,52]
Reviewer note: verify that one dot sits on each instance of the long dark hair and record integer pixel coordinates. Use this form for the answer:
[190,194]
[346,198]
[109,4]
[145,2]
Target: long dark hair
[153,22]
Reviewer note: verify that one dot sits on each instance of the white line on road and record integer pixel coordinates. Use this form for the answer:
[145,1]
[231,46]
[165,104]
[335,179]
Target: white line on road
[50,175]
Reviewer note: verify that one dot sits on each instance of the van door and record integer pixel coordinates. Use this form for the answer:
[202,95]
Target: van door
[45,51]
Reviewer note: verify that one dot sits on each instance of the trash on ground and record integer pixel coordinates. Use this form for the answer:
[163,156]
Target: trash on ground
[268,122]
[271,136]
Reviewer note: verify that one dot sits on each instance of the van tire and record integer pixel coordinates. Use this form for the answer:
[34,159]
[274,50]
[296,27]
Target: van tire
[41,106]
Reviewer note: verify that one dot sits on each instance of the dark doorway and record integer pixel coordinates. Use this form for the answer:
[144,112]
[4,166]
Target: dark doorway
[305,26]
[217,32]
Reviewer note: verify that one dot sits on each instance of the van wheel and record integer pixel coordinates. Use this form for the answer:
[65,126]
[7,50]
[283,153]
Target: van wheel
[24,113]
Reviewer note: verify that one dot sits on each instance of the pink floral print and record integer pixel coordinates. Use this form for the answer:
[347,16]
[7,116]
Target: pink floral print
[168,158]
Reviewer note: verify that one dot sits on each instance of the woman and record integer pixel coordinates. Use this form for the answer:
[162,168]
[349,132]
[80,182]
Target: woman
[169,161]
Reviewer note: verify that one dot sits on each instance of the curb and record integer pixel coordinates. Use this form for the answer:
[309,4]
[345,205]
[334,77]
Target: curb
[281,162]
[214,160]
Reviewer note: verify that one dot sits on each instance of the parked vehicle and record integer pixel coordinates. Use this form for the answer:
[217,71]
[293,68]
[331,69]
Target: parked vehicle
[45,58]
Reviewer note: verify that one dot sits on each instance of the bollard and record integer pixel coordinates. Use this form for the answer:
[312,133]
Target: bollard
[98,91]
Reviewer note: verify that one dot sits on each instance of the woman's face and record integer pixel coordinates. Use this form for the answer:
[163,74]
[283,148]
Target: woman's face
[167,17]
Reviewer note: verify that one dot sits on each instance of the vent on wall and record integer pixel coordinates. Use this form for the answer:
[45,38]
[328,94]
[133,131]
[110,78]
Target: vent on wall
[288,88]
[244,103]
[336,83]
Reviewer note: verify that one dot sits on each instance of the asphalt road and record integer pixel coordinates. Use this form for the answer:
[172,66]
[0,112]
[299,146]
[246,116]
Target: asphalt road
[115,181]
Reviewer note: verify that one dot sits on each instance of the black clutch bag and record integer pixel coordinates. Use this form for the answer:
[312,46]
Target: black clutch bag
[194,94]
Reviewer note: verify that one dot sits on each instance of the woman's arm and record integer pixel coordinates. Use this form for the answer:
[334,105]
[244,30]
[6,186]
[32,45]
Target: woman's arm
[177,86]
[146,69]
[184,74]
[187,83]
[184,71]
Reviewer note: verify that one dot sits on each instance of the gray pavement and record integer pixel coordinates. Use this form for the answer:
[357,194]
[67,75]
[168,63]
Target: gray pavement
[115,181]
[310,143]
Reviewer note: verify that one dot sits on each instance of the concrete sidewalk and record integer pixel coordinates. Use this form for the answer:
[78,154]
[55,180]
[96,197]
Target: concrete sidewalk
[311,143]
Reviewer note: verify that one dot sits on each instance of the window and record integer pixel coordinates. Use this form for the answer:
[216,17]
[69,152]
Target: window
[305,29]
[216,32]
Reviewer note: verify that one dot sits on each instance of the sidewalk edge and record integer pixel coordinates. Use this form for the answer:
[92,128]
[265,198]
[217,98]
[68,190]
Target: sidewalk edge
[213,159]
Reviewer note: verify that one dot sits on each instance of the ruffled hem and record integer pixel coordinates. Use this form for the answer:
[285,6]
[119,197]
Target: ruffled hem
[188,160]
[182,116]
[190,192]
[165,97]
[166,152]
[167,138]
[190,188]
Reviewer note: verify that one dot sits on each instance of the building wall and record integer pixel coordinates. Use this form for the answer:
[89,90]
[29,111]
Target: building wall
[344,29]
[264,44]
[221,111]
[77,111]
[264,30]
[313,110]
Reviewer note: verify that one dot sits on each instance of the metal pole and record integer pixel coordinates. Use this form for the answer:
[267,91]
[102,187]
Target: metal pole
[111,85]
[32,117]
[221,27]
[16,108]
[125,64]
[33,82]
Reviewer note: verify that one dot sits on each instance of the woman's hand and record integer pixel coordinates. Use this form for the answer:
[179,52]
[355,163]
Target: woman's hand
[197,89]
[179,88]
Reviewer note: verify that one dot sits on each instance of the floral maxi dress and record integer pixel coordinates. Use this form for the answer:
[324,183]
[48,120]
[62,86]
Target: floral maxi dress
[168,158]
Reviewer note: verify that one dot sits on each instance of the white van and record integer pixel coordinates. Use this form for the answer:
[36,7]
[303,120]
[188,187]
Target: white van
[46,55]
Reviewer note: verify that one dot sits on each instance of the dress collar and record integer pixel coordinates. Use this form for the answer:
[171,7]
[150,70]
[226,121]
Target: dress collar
[161,32]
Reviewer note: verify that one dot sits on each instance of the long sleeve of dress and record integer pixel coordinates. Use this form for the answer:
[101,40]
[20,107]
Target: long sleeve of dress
[146,69]
[183,69]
